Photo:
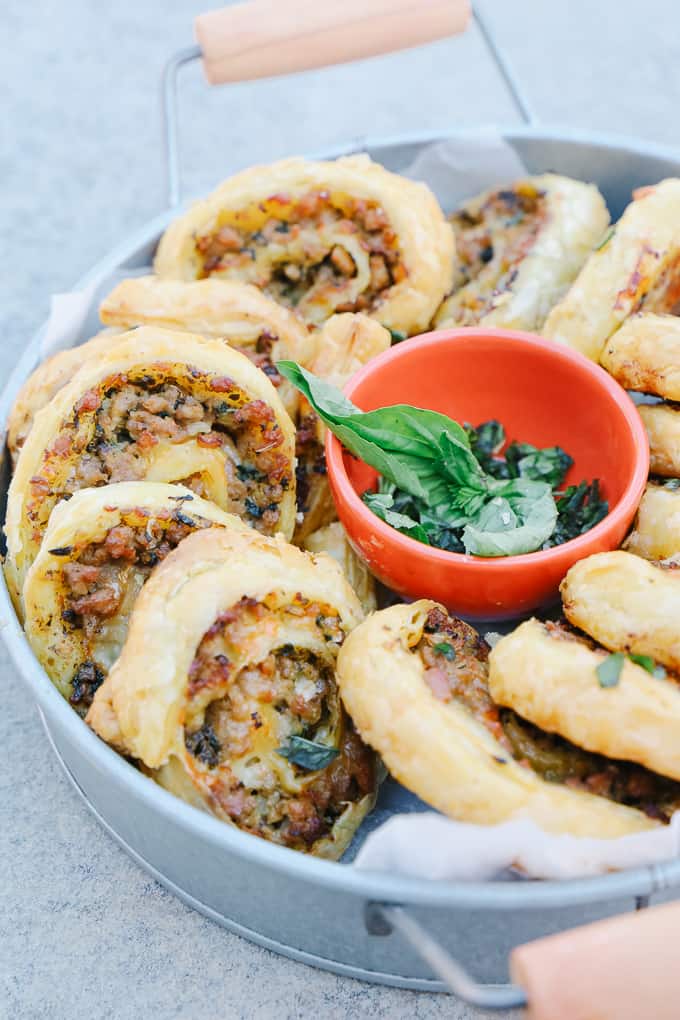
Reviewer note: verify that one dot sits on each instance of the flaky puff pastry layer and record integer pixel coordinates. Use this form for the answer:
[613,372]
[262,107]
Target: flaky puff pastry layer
[65,427]
[551,680]
[47,379]
[626,604]
[662,423]
[424,238]
[333,540]
[149,700]
[440,751]
[656,532]
[644,355]
[61,645]
[236,312]
[344,344]
[521,282]
[635,270]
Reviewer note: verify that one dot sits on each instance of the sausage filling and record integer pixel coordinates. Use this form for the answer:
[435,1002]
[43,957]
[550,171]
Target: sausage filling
[311,458]
[321,253]
[118,427]
[102,581]
[243,715]
[492,239]
[455,661]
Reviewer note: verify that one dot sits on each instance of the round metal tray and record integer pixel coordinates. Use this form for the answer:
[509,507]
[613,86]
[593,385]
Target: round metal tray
[320,912]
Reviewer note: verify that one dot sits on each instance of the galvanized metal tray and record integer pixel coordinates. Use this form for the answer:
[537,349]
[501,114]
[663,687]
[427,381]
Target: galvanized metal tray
[375,927]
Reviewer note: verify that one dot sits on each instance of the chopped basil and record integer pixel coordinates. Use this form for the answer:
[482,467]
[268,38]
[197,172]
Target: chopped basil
[397,335]
[62,550]
[607,238]
[307,753]
[445,649]
[609,670]
[648,663]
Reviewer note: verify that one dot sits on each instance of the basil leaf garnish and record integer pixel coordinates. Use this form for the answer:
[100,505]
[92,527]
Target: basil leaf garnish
[307,753]
[609,670]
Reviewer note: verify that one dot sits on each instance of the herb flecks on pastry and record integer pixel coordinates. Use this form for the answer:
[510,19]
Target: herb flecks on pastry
[321,237]
[226,691]
[625,706]
[518,248]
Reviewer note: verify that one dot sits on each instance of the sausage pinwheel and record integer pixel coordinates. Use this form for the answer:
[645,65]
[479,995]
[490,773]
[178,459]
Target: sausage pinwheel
[519,248]
[98,551]
[225,690]
[156,406]
[320,237]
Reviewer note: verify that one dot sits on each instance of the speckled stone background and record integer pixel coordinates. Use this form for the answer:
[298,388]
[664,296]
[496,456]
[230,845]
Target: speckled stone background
[83,932]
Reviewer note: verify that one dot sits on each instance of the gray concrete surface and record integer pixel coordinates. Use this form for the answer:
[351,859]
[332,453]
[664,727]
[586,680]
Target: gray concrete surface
[83,932]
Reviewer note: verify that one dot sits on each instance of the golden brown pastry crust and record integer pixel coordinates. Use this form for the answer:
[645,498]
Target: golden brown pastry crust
[440,751]
[424,237]
[333,540]
[551,680]
[345,343]
[47,379]
[656,532]
[147,705]
[635,270]
[644,355]
[516,287]
[662,423]
[88,517]
[236,312]
[626,604]
[42,470]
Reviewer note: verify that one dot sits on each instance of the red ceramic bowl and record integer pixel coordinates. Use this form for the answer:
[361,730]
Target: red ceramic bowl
[543,393]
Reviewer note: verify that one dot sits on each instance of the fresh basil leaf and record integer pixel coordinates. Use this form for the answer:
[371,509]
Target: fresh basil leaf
[609,670]
[307,753]
[487,439]
[445,649]
[401,442]
[672,484]
[382,506]
[535,516]
[648,663]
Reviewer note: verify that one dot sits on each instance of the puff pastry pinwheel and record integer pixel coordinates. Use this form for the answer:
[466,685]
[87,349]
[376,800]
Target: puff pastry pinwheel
[662,424]
[519,248]
[548,675]
[156,406]
[225,690]
[238,313]
[98,551]
[626,604]
[415,681]
[333,540]
[321,237]
[656,532]
[644,355]
[634,270]
[345,343]
[47,379]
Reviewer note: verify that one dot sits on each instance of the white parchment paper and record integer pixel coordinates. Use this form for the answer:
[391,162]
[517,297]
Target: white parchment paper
[427,845]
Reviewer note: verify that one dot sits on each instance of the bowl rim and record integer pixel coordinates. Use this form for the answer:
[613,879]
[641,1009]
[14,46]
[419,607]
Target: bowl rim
[632,493]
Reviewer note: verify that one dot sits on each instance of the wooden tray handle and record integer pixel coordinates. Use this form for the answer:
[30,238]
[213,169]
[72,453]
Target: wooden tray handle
[625,968]
[265,38]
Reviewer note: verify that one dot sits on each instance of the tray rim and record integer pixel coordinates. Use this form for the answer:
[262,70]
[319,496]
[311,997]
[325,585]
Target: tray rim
[369,885]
